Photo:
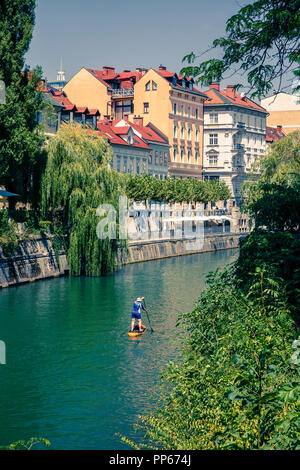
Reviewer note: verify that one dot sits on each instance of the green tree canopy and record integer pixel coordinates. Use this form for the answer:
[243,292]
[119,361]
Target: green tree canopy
[145,187]
[262,41]
[77,180]
[20,135]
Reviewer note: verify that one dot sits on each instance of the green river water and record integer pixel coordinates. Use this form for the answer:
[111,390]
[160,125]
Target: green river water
[72,375]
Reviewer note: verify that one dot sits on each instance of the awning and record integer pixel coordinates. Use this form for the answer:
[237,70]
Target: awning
[7,194]
[203,218]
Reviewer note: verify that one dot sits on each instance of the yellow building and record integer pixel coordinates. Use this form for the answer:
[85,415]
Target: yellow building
[284,111]
[110,92]
[175,106]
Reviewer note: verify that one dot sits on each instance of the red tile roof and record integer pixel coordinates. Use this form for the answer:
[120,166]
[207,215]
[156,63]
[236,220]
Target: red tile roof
[222,97]
[113,133]
[274,133]
[61,97]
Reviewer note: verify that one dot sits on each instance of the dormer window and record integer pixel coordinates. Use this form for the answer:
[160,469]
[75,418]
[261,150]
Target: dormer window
[147,87]
[174,80]
[183,83]
[154,86]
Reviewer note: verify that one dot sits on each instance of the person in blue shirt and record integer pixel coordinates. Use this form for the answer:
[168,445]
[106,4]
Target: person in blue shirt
[136,313]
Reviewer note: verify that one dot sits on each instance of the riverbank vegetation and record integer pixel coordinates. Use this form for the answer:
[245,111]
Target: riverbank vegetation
[238,386]
[145,187]
[76,181]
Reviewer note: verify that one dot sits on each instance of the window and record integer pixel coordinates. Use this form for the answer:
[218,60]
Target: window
[154,86]
[147,87]
[118,163]
[125,164]
[213,118]
[248,121]
[197,135]
[181,155]
[51,120]
[39,117]
[189,133]
[213,159]
[182,132]
[197,113]
[255,123]
[182,110]
[196,156]
[189,111]
[146,108]
[156,158]
[160,158]
[175,131]
[213,139]
[189,155]
[175,108]
[150,157]
[234,118]
[174,155]
[166,158]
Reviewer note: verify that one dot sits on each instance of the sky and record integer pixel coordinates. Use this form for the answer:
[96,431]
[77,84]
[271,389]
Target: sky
[125,34]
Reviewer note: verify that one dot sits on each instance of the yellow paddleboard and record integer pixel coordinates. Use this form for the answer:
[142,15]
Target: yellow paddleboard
[136,331]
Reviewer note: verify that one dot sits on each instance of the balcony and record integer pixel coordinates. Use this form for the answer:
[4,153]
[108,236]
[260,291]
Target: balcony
[122,93]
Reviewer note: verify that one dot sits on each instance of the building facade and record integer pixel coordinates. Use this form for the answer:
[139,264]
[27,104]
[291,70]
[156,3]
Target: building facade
[173,104]
[62,110]
[107,90]
[234,136]
[284,111]
[137,149]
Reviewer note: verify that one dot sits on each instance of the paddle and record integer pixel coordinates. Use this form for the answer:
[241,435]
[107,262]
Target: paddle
[147,315]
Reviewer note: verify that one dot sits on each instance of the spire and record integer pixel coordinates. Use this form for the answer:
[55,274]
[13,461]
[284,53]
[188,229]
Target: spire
[60,73]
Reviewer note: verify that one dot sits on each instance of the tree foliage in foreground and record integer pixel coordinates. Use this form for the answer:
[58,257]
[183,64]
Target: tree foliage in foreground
[77,180]
[145,187]
[273,201]
[261,40]
[237,386]
[20,135]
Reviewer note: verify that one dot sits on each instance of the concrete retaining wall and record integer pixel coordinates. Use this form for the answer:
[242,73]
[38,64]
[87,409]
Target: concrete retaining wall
[35,259]
[157,249]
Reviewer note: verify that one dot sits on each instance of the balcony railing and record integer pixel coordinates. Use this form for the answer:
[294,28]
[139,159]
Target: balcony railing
[122,92]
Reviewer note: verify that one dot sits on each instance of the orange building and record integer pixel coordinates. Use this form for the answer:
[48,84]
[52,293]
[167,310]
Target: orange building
[110,92]
[284,111]
[173,104]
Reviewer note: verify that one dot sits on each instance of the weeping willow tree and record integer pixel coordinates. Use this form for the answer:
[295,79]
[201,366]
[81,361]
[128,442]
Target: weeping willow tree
[76,181]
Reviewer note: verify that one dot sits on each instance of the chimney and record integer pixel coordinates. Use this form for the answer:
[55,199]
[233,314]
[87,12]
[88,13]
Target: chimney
[141,70]
[214,85]
[279,129]
[108,71]
[125,117]
[162,67]
[230,91]
[139,121]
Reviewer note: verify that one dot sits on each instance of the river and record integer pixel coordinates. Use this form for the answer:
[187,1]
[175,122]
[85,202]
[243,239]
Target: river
[72,374]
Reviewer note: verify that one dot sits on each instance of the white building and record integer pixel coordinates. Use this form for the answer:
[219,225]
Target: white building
[234,136]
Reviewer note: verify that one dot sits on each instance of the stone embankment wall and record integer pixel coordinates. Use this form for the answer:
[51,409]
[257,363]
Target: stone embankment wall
[157,249]
[34,259]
